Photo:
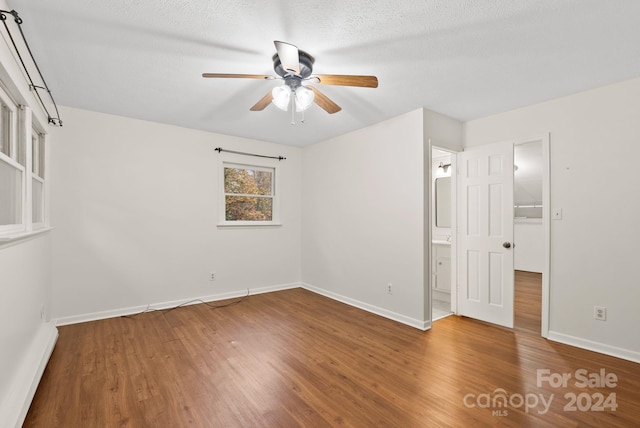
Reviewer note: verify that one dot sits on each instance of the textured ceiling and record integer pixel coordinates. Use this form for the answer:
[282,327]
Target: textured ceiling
[465,59]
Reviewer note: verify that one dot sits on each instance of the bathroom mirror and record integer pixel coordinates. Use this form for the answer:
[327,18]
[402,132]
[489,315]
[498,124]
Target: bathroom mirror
[443,202]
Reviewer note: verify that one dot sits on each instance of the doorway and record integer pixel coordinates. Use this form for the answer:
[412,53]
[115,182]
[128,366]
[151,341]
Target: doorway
[536,212]
[529,235]
[442,233]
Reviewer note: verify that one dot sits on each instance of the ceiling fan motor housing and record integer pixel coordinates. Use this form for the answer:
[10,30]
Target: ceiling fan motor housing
[306,65]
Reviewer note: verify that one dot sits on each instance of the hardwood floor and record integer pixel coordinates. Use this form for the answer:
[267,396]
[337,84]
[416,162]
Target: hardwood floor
[294,358]
[527,301]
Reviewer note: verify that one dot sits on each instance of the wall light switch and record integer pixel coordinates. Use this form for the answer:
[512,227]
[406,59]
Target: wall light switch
[556,214]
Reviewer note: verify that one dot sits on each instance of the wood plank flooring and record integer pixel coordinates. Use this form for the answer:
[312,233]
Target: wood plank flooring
[294,358]
[527,302]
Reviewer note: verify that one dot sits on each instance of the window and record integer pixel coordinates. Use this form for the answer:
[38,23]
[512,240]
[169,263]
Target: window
[249,195]
[37,177]
[22,170]
[10,194]
[5,129]
[12,169]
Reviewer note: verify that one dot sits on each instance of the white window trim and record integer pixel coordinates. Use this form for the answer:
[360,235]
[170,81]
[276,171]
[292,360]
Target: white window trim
[25,124]
[242,161]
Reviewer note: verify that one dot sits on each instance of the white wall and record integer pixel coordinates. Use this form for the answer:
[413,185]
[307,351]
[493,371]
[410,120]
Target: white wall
[365,204]
[135,211]
[26,339]
[528,254]
[595,147]
[363,217]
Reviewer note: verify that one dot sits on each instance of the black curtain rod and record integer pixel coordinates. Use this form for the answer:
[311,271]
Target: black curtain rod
[220,150]
[32,85]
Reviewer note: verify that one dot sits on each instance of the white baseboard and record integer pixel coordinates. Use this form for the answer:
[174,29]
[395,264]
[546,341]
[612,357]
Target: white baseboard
[14,408]
[76,319]
[625,354]
[421,325]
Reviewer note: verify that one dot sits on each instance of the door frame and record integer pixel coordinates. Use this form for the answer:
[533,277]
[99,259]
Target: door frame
[430,216]
[545,139]
[546,225]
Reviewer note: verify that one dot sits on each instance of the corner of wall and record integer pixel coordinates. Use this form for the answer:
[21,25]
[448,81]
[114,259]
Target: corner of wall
[442,130]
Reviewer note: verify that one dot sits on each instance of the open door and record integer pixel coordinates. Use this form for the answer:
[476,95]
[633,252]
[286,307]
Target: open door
[485,233]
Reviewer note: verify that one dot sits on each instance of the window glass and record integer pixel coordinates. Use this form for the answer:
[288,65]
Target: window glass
[37,154]
[37,196]
[5,130]
[10,194]
[249,193]
[41,163]
[248,181]
[34,154]
[247,208]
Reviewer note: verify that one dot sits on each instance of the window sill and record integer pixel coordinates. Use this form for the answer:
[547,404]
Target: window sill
[14,236]
[248,225]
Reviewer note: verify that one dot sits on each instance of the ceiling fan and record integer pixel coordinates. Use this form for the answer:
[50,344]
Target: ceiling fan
[295,67]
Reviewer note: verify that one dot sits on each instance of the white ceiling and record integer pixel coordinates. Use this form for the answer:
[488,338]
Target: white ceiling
[463,58]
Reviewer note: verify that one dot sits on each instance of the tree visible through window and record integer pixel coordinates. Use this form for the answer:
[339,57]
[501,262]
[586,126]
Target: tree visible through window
[248,193]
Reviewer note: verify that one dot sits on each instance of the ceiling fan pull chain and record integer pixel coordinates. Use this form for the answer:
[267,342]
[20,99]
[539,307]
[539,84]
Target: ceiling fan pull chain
[293,110]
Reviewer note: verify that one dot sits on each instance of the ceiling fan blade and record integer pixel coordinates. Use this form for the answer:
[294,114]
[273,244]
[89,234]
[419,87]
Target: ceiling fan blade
[347,80]
[324,102]
[241,76]
[263,103]
[289,56]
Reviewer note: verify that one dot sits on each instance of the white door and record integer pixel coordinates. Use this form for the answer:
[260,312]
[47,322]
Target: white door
[485,233]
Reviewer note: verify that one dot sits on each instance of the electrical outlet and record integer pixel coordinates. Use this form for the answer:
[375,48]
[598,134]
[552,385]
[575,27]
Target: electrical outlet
[212,276]
[389,288]
[600,313]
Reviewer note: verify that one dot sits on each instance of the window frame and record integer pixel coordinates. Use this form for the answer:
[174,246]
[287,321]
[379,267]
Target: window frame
[260,165]
[23,124]
[12,106]
[14,161]
[38,166]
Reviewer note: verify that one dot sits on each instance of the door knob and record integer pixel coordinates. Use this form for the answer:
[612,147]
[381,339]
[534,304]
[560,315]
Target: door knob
[506,244]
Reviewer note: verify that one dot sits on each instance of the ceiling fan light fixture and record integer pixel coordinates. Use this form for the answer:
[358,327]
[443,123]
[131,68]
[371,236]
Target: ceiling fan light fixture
[304,98]
[281,96]
[295,68]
